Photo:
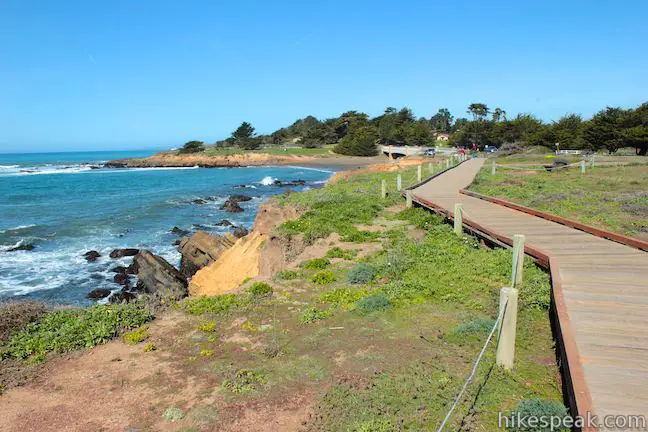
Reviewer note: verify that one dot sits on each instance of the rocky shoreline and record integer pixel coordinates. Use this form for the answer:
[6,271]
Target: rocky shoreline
[174,160]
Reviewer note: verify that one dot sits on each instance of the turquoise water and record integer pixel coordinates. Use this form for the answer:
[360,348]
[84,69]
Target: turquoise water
[66,204]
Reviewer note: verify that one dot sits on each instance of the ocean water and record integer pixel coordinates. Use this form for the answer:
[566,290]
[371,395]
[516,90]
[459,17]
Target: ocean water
[66,204]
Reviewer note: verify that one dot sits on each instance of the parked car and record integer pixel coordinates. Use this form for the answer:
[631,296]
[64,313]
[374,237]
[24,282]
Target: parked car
[431,152]
[490,149]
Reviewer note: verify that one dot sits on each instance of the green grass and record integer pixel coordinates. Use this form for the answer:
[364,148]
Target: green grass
[136,336]
[341,206]
[67,330]
[315,264]
[613,198]
[215,305]
[260,289]
[338,252]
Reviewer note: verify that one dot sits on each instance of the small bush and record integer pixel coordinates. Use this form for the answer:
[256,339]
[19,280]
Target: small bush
[149,347]
[71,329]
[476,329]
[260,289]
[244,381]
[136,336]
[173,414]
[286,274]
[540,409]
[324,278]
[344,297]
[372,303]
[207,326]
[338,252]
[14,316]
[206,353]
[361,274]
[316,264]
[217,304]
[313,314]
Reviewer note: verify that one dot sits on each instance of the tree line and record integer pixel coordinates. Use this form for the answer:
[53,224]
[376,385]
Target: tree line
[355,133]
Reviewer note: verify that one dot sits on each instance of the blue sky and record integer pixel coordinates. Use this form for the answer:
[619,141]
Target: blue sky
[89,75]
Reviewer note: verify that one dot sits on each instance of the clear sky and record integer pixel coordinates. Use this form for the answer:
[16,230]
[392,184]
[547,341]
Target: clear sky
[84,75]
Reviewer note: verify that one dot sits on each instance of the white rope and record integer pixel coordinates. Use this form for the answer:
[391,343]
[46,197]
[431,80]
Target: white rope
[474,369]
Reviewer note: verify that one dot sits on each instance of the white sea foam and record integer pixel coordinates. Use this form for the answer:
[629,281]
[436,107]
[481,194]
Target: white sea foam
[17,228]
[267,181]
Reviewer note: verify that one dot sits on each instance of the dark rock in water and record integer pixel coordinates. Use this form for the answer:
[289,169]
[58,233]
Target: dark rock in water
[121,279]
[120,253]
[224,222]
[92,255]
[98,293]
[177,242]
[25,247]
[97,276]
[157,276]
[290,183]
[232,207]
[200,250]
[240,232]
[199,201]
[114,164]
[119,269]
[122,297]
[94,167]
[201,227]
[240,198]
[179,231]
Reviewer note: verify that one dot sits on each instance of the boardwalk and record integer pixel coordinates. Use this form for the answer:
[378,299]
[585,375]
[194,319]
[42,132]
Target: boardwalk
[604,286]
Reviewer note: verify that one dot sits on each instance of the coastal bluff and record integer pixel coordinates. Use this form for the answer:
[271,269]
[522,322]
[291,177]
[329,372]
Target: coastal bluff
[174,160]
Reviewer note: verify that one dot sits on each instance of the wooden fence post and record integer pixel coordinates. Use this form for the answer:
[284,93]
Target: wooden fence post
[592,160]
[399,182]
[383,189]
[408,201]
[493,168]
[583,166]
[419,173]
[518,260]
[447,163]
[458,219]
[507,328]
[430,167]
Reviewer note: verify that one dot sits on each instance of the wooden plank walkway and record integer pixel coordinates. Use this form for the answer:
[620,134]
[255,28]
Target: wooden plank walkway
[604,289]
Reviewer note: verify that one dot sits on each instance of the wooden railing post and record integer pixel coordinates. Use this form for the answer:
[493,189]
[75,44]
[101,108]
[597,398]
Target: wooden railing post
[507,328]
[383,189]
[458,219]
[399,182]
[447,163]
[583,166]
[518,260]
[419,173]
[431,167]
[408,198]
[493,168]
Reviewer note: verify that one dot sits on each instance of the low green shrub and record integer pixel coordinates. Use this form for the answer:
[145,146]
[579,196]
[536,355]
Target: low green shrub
[150,347]
[286,274]
[243,381]
[344,297]
[324,278]
[539,409]
[338,252]
[313,314]
[136,336]
[361,274]
[71,329]
[216,304]
[476,329]
[15,315]
[207,326]
[316,264]
[260,289]
[372,303]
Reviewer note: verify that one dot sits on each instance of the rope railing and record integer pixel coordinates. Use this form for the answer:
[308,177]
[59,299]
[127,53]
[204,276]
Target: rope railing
[475,366]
